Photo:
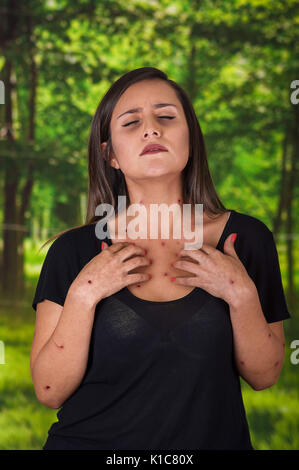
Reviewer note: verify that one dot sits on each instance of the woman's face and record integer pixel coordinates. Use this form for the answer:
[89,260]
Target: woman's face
[131,132]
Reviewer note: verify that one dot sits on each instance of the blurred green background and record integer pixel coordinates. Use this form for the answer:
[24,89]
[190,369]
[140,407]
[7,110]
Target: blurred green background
[236,60]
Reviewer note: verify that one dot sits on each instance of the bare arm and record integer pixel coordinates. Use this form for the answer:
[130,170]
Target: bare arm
[259,346]
[61,341]
[58,368]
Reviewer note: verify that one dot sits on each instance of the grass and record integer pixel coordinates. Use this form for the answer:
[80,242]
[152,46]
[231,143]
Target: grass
[24,421]
[273,414]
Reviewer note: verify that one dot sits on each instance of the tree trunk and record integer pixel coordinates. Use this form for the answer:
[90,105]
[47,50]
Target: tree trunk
[21,234]
[11,181]
[27,189]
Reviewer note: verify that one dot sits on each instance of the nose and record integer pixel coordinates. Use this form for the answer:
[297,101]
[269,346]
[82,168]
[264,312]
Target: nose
[151,127]
[150,132]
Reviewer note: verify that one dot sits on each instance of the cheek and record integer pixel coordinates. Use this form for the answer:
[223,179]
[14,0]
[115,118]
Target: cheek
[183,144]
[124,154]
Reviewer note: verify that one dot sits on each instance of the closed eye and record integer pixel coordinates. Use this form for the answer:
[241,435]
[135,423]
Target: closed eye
[162,117]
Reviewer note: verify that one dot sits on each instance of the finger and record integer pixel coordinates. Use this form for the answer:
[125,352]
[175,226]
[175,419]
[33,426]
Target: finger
[135,262]
[195,255]
[187,281]
[208,249]
[115,247]
[199,254]
[136,278]
[130,250]
[187,266]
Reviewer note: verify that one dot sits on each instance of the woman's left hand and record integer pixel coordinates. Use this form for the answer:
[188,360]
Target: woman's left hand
[221,274]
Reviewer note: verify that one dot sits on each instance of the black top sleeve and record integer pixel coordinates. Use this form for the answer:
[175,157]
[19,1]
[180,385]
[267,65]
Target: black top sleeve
[264,270]
[57,273]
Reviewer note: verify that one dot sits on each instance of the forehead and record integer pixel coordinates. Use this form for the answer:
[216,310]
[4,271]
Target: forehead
[144,94]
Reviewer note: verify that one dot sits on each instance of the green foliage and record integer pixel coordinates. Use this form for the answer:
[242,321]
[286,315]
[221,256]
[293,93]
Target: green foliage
[235,59]
[24,422]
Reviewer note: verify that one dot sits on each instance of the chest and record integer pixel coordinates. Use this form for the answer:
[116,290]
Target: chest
[160,287]
[162,253]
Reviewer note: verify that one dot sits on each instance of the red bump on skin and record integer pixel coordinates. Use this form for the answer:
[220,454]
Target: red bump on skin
[231,281]
[138,285]
[165,274]
[89,282]
[60,347]
[269,335]
[276,363]
[179,200]
[47,387]
[242,362]
[163,243]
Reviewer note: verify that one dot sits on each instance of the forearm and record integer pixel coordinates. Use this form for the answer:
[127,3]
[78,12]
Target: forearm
[61,363]
[259,353]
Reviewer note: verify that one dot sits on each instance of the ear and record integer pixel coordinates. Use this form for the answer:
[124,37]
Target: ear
[112,160]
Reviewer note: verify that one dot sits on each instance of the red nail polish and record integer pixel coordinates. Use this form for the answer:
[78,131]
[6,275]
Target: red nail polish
[102,246]
[149,276]
[233,237]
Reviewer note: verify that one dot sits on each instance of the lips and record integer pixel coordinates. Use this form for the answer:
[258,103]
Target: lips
[153,148]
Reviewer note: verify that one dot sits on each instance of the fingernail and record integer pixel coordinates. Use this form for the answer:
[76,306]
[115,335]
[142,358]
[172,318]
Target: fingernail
[149,276]
[172,279]
[102,245]
[233,237]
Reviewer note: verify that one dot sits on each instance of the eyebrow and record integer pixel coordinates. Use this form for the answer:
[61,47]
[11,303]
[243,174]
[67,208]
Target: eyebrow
[136,110]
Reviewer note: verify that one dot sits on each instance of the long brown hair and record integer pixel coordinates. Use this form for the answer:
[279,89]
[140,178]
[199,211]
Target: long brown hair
[107,183]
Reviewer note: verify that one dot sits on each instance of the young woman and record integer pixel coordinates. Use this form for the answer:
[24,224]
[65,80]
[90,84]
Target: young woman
[140,343]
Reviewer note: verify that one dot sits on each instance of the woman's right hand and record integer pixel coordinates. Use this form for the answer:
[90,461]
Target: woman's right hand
[107,272]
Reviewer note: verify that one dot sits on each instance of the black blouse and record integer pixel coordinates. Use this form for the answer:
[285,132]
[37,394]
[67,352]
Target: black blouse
[160,375]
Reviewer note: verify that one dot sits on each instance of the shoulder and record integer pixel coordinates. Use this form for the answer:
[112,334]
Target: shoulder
[255,241]
[80,240]
[250,227]
[78,233]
